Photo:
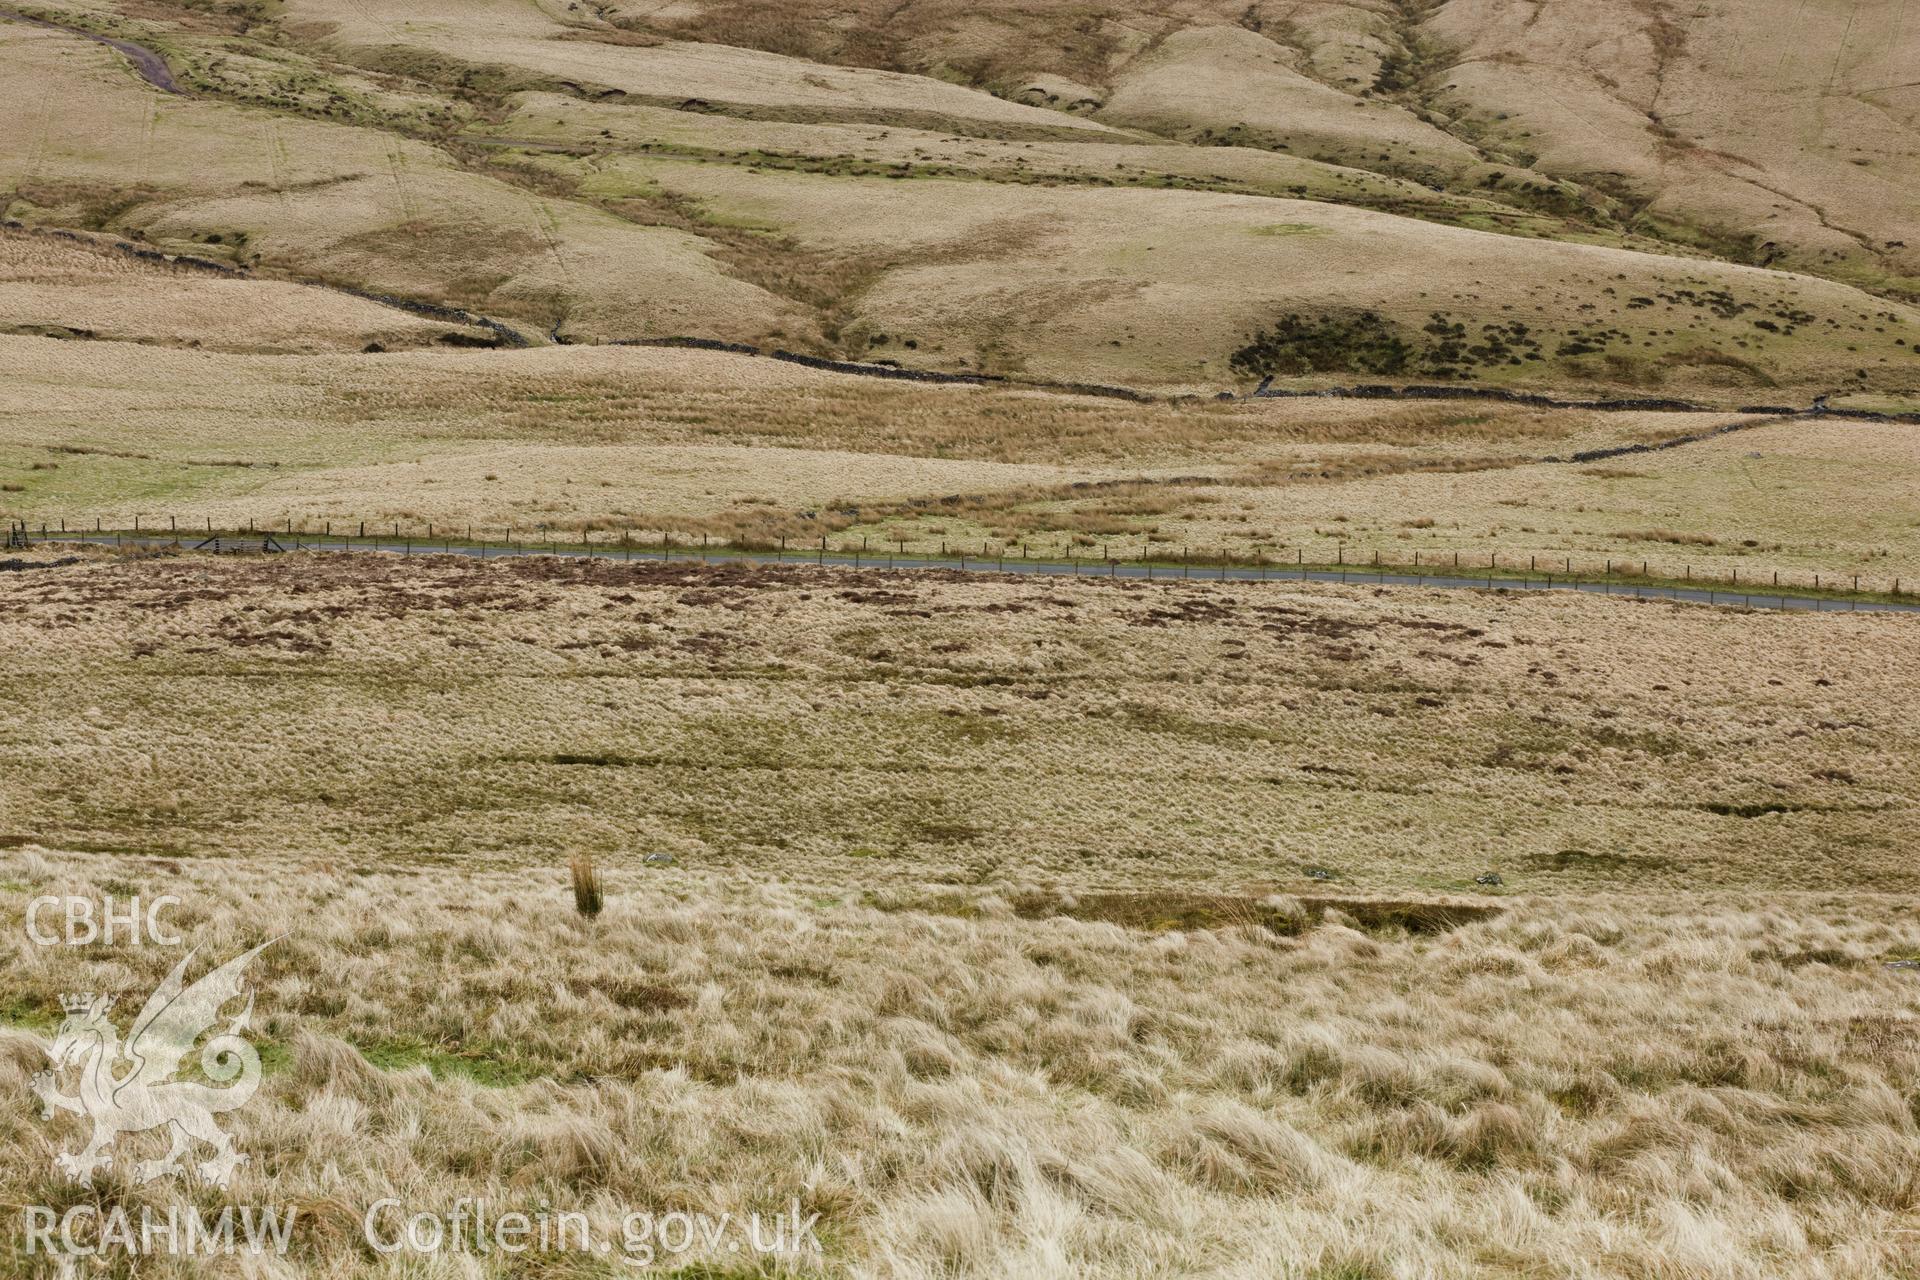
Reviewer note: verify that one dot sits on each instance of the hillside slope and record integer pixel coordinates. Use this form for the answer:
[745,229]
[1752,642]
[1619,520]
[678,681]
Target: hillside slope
[1184,198]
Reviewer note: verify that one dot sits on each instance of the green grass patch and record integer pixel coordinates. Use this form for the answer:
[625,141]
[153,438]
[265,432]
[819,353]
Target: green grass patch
[482,1067]
[30,1013]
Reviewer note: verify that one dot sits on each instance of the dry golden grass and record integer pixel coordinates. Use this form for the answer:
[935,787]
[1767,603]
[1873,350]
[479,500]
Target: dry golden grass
[1612,1088]
[1234,82]
[529,36]
[693,187]
[753,450]
[1163,287]
[340,203]
[1766,130]
[555,119]
[1785,129]
[1834,498]
[989,934]
[956,728]
[51,286]
[1044,927]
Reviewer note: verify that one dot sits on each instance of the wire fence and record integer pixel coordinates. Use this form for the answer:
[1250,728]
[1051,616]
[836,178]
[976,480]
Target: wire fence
[1071,552]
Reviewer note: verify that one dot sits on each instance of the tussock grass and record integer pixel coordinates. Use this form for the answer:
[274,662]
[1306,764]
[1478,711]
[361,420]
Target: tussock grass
[587,897]
[977,1095]
[1100,1016]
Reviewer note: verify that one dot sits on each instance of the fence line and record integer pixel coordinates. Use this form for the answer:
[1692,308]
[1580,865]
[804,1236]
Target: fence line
[1075,553]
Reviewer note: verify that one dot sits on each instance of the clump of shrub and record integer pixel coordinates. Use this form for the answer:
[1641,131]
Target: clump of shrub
[1296,345]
